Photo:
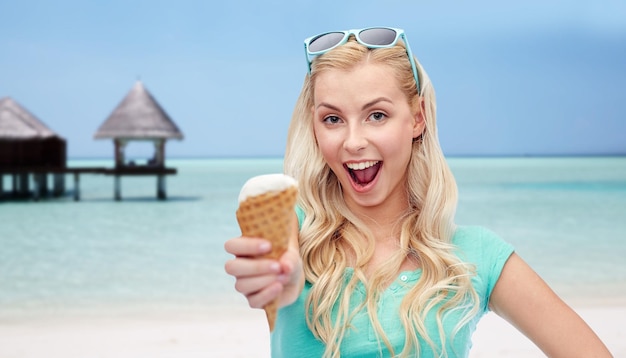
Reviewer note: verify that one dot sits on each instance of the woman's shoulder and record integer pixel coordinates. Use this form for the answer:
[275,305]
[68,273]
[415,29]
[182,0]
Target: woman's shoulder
[474,235]
[486,252]
[477,244]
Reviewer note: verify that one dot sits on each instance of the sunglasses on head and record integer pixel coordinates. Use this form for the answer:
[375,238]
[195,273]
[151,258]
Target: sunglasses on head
[371,37]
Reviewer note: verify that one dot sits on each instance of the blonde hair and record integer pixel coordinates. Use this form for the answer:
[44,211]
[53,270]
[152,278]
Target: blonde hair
[331,235]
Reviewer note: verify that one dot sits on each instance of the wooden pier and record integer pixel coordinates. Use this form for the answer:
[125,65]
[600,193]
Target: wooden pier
[30,151]
[21,178]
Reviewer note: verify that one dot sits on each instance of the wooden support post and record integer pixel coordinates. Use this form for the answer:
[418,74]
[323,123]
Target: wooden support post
[23,184]
[58,186]
[159,152]
[36,186]
[76,186]
[118,153]
[120,145]
[161,187]
[43,184]
[14,185]
[118,189]
[40,182]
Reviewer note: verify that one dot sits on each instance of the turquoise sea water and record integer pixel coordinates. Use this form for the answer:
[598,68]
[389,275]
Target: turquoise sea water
[565,216]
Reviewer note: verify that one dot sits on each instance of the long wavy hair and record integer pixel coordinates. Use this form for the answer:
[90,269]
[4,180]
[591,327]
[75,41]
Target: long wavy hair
[331,236]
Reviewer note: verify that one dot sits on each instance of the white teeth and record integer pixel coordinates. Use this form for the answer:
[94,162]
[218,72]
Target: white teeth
[361,165]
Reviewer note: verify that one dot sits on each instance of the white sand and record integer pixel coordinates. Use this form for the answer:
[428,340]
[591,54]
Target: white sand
[235,332]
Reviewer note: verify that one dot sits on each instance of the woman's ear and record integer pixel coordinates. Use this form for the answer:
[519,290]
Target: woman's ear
[419,122]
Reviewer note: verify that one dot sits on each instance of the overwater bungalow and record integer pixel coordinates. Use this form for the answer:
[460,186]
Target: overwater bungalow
[139,117]
[28,148]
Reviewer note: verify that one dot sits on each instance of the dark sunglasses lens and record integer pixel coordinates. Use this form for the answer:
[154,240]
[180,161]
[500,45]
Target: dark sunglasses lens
[378,36]
[325,41]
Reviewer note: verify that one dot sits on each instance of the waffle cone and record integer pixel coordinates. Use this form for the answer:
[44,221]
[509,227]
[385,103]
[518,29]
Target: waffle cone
[269,216]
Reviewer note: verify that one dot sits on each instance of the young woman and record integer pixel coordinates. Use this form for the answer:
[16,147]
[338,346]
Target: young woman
[377,266]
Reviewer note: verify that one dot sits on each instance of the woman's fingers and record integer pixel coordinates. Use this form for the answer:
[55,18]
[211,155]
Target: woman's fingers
[266,295]
[252,285]
[244,246]
[244,267]
[257,279]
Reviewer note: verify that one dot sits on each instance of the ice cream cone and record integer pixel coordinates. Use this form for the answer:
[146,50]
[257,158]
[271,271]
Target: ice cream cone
[266,210]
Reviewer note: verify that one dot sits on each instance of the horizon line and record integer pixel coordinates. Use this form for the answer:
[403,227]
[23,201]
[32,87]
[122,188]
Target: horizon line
[549,155]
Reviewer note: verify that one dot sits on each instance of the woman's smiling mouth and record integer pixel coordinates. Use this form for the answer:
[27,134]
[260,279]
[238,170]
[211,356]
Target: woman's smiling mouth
[363,173]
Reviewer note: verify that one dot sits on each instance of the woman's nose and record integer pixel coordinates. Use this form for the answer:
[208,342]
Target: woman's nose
[356,139]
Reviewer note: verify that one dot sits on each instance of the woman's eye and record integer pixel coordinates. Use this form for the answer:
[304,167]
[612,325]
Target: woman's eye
[332,119]
[377,116]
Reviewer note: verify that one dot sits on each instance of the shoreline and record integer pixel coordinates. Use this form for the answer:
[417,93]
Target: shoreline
[234,330]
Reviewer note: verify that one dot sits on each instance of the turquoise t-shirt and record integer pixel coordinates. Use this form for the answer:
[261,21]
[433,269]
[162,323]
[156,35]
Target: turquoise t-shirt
[292,338]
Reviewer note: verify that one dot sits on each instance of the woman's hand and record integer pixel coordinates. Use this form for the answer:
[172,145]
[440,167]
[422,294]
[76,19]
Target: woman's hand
[262,280]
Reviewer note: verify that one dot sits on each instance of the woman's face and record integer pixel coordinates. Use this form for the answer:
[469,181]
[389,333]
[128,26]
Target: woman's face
[364,128]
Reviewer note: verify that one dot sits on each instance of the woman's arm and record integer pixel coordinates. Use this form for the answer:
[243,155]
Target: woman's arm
[528,303]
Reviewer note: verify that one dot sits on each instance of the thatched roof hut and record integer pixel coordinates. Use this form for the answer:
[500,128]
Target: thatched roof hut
[18,123]
[139,117]
[25,141]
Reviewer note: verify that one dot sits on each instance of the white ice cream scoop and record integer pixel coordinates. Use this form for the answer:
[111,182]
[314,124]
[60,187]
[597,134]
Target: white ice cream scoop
[265,183]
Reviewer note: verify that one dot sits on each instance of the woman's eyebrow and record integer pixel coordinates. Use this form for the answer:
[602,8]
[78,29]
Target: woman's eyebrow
[375,101]
[365,106]
[328,105]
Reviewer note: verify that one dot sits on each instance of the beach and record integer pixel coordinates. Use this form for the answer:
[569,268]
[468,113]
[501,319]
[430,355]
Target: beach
[145,278]
[237,332]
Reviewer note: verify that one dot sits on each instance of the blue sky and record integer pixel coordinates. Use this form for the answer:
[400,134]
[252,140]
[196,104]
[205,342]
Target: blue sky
[512,78]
